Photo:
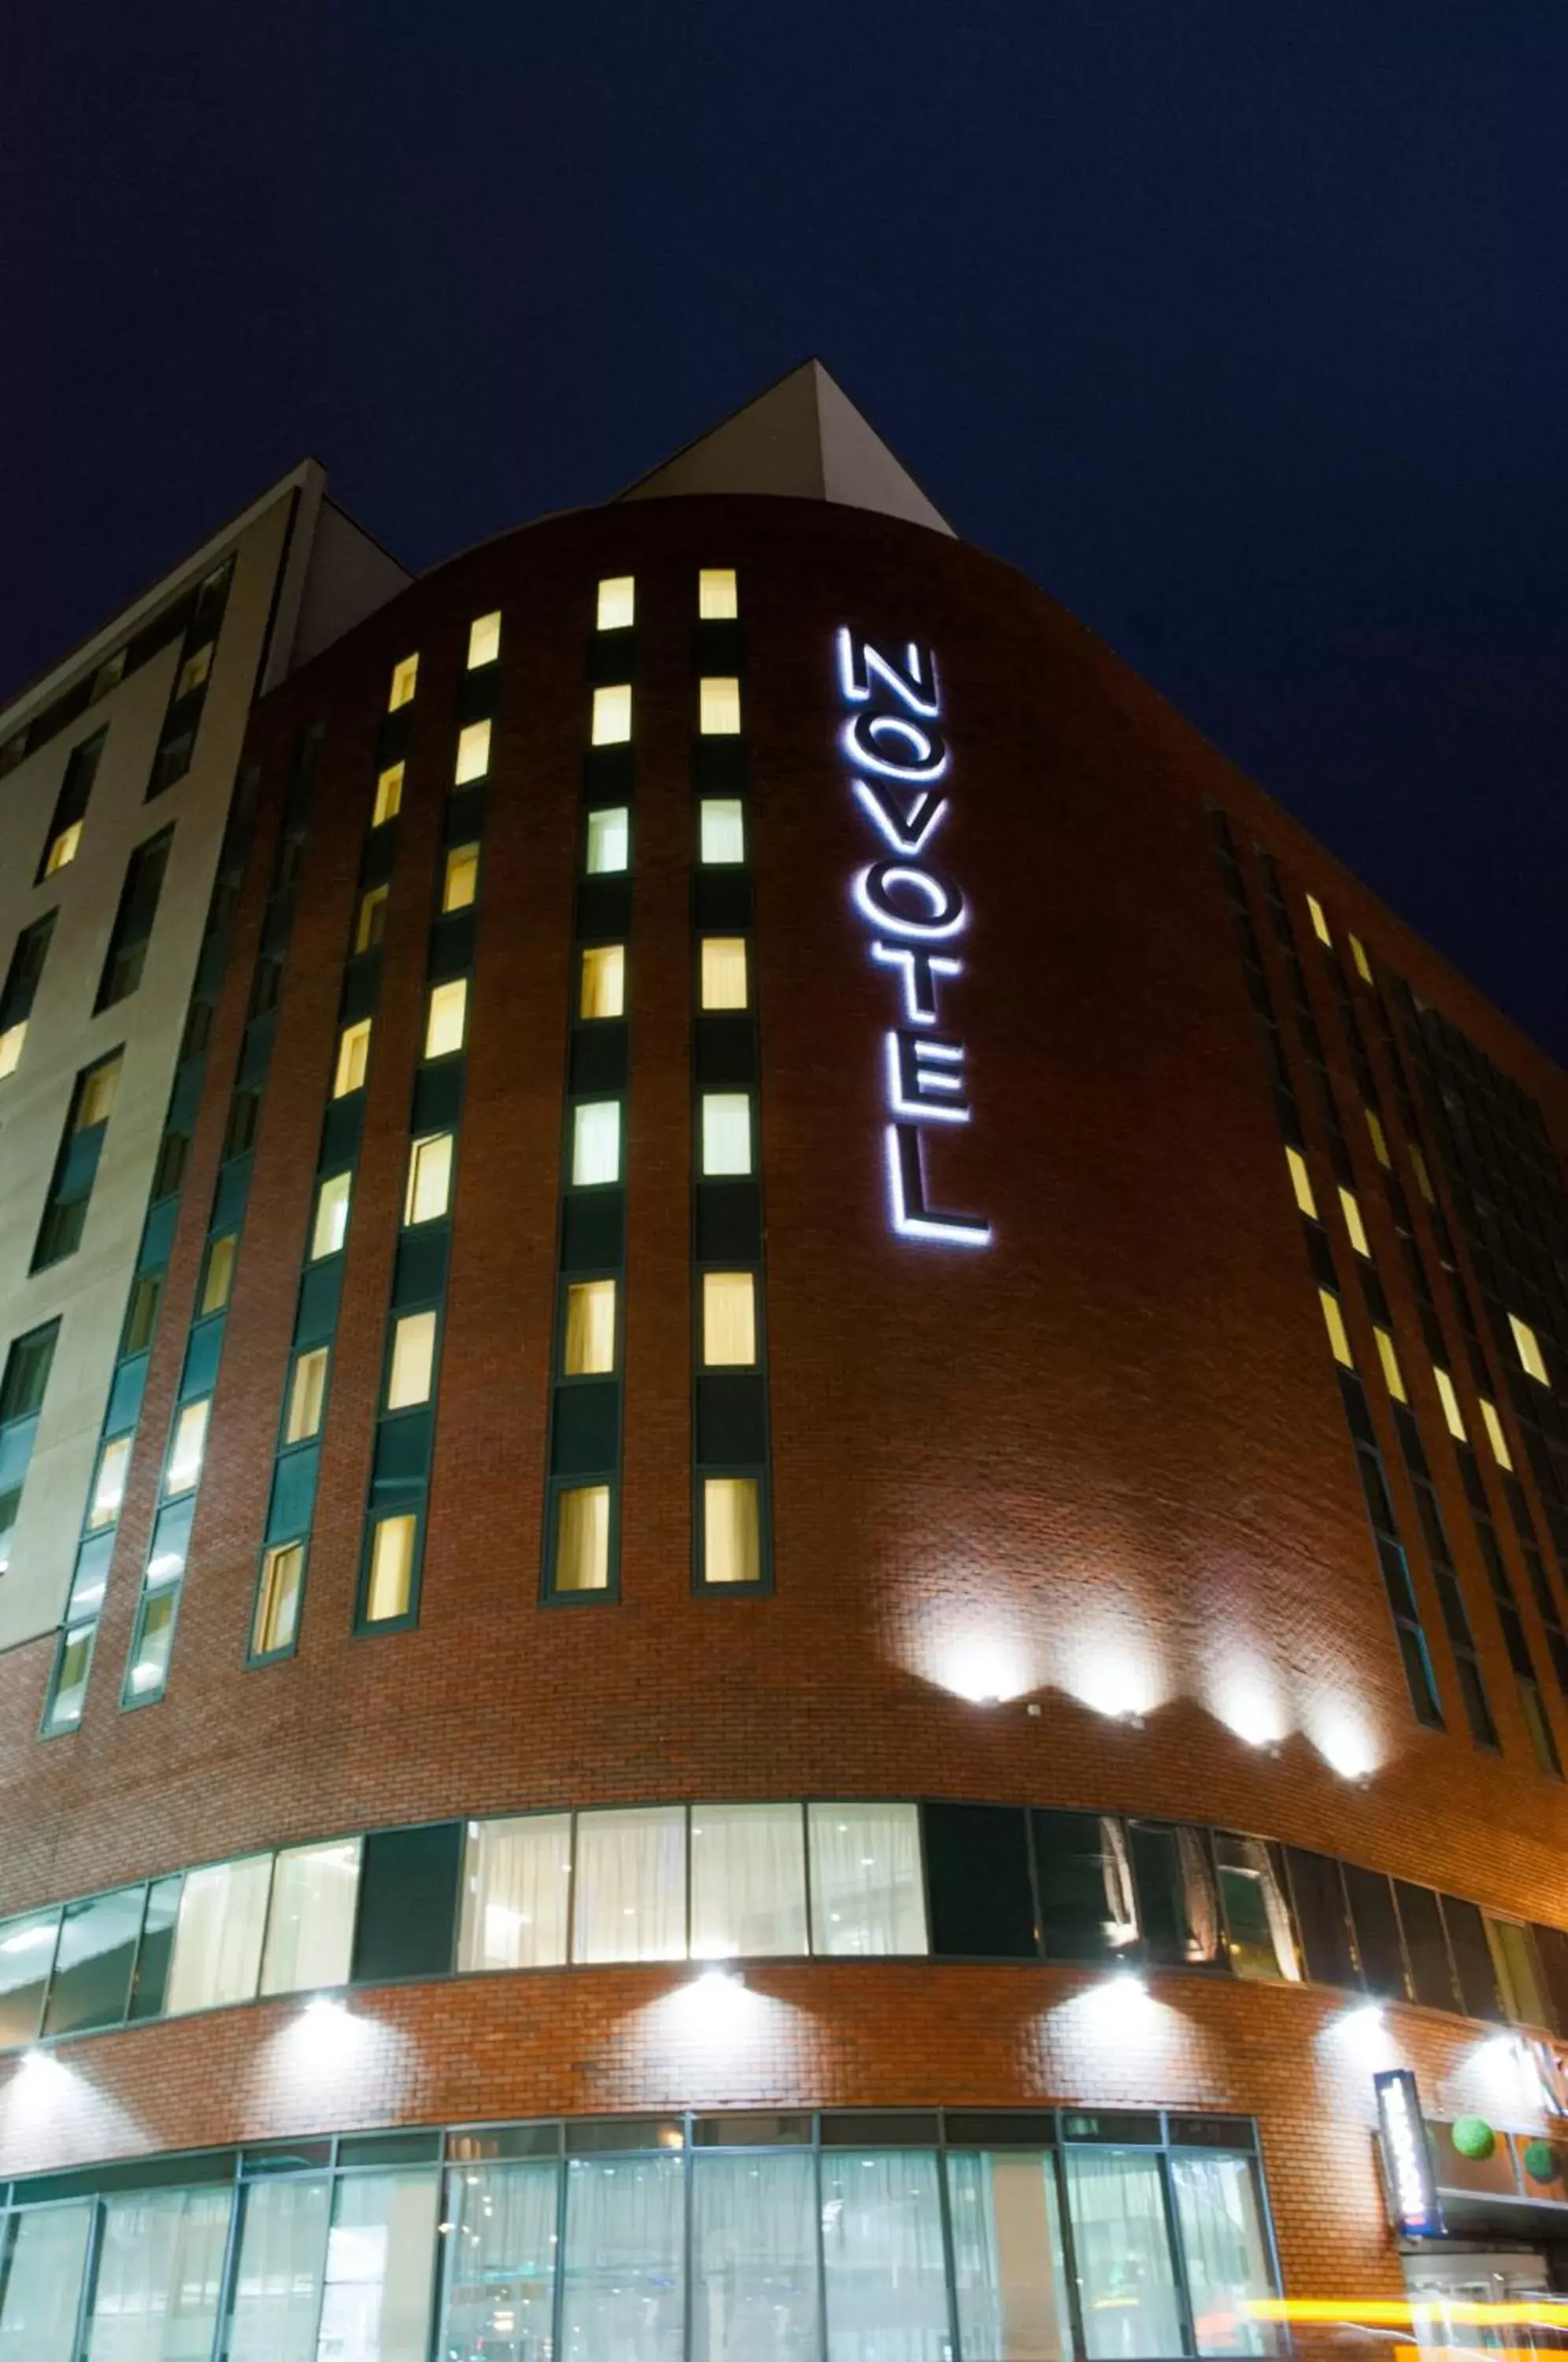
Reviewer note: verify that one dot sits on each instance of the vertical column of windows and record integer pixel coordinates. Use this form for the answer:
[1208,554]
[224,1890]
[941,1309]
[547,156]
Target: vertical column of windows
[66,821]
[1414,1652]
[66,1690]
[27,1365]
[581,1545]
[158,1607]
[731,1518]
[22,975]
[177,739]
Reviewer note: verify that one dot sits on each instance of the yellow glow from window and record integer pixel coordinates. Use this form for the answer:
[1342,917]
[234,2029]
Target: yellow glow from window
[1334,1319]
[63,848]
[1392,1377]
[194,672]
[99,1085]
[1362,965]
[1423,1178]
[370,924]
[389,795]
[307,1396]
[728,1320]
[1529,1353]
[731,1550]
[1320,924]
[1448,1398]
[609,848]
[484,640]
[1378,1139]
[603,983]
[1354,1224]
[617,609]
[331,1226]
[353,1058]
[716,598]
[473,752]
[613,715]
[429,1179]
[109,1486]
[190,1443]
[278,1599]
[404,679]
[413,1361]
[461,885]
[724,972]
[589,1348]
[11,1042]
[1302,1184]
[719,707]
[445,1026]
[218,1277]
[391,1569]
[1495,1436]
[582,1538]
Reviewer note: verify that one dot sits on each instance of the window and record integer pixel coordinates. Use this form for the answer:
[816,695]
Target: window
[722,827]
[353,1058]
[590,1346]
[595,1142]
[1084,1872]
[459,885]
[27,1374]
[473,752]
[126,954]
[1362,965]
[629,1901]
[622,2293]
[447,1017]
[391,1568]
[1423,1178]
[279,2270]
[516,1890]
[24,973]
[1320,924]
[413,1361]
[194,672]
[109,1484]
[190,1443]
[609,841]
[307,1395]
[867,1894]
[62,848]
[1010,2277]
[217,1937]
[71,805]
[884,2280]
[1126,2276]
[43,2284]
[404,679]
[310,1921]
[278,1599]
[748,1882]
[617,607]
[96,1096]
[716,600]
[217,1279]
[1354,1224]
[1518,1971]
[380,2257]
[1302,1184]
[1392,1377]
[371,925]
[719,707]
[1258,1935]
[582,1538]
[389,795]
[484,640]
[1494,1435]
[160,2275]
[724,972]
[732,1549]
[141,1313]
[1378,1138]
[1529,1353]
[11,1041]
[429,1190]
[603,990]
[91,1983]
[331,1226]
[726,1132]
[728,1320]
[1334,1321]
[613,715]
[501,2259]
[1449,1397]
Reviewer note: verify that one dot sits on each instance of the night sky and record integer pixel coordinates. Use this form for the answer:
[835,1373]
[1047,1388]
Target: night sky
[1240,324]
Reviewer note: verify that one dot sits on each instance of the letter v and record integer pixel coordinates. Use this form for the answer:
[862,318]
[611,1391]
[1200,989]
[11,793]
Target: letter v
[904,827]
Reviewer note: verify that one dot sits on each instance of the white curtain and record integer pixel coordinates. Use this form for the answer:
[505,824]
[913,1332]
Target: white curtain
[516,1886]
[381,2260]
[43,2287]
[218,1939]
[882,2259]
[754,2258]
[1126,2284]
[748,1881]
[1199,1899]
[625,2265]
[1222,2240]
[501,2262]
[1006,2257]
[631,1885]
[1121,1909]
[277,2291]
[159,2276]
[867,1894]
[309,1923]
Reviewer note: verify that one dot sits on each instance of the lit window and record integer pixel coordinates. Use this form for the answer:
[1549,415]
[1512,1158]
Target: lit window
[582,1538]
[1354,1224]
[613,715]
[310,1920]
[473,752]
[109,1485]
[389,795]
[11,1041]
[447,1017]
[617,603]
[1362,965]
[404,679]
[353,1057]
[1392,1377]
[595,1142]
[609,841]
[629,1899]
[1334,1319]
[278,1599]
[731,1550]
[371,925]
[1301,1183]
[590,1346]
[1378,1138]
[728,1320]
[726,1132]
[62,848]
[1529,1353]
[724,972]
[307,1396]
[217,1938]
[460,883]
[716,600]
[429,1187]
[1450,1401]
[719,707]
[1423,1178]
[484,640]
[331,1225]
[748,1882]
[189,1442]
[602,989]
[194,672]
[724,831]
[1320,924]
[1495,1436]
[866,1892]
[218,1277]
[516,1886]
[391,1568]
[413,1361]
[99,1085]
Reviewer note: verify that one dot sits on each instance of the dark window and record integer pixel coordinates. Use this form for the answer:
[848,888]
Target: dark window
[141,1315]
[157,1947]
[1178,1905]
[76,1166]
[1084,1884]
[27,967]
[169,1169]
[126,954]
[92,1966]
[1473,1959]
[1551,1945]
[1376,1926]
[27,1372]
[976,1860]
[1319,1899]
[244,1116]
[408,1900]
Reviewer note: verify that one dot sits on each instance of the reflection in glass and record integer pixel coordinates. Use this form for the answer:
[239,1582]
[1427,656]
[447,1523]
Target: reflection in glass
[882,2262]
[1126,2282]
[501,2262]
[1007,2256]
[1222,2243]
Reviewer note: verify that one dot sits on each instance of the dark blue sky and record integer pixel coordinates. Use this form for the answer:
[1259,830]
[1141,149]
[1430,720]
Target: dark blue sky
[1239,323]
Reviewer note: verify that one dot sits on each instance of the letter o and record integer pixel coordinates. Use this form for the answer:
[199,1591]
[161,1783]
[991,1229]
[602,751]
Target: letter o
[945,911]
[865,734]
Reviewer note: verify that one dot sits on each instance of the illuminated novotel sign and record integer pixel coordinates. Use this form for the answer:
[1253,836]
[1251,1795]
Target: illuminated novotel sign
[913,912]
[1407,2160]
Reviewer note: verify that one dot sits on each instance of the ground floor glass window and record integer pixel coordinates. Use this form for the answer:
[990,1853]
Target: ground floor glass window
[1008,2265]
[1121,2243]
[882,2257]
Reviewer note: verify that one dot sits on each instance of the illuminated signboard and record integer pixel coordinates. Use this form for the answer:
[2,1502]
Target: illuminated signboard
[913,912]
[1406,2160]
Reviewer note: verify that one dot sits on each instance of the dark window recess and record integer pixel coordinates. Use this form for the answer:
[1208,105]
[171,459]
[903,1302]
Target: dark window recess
[1551,1945]
[92,1966]
[1083,1881]
[26,969]
[244,1120]
[1478,1991]
[1178,1907]
[1377,1926]
[71,805]
[27,1374]
[977,1867]
[1319,1899]
[76,1166]
[151,1978]
[408,1902]
[170,1170]
[126,954]
[141,1314]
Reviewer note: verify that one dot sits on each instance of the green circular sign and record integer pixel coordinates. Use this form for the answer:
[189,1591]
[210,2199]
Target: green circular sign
[1541,2160]
[1472,2138]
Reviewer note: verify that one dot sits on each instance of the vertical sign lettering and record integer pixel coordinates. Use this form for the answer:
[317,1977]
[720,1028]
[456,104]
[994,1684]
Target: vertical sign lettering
[1407,2160]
